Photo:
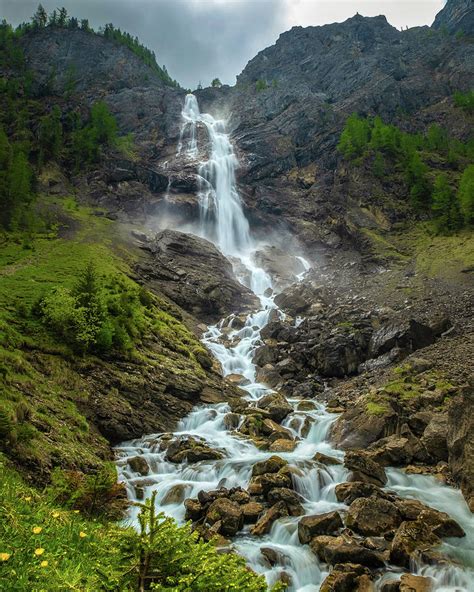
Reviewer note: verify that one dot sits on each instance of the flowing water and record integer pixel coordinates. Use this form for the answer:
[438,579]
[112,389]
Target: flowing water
[223,222]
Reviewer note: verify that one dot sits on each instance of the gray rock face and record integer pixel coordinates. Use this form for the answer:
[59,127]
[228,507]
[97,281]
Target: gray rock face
[195,275]
[457,15]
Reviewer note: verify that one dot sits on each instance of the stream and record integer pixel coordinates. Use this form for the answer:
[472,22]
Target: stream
[223,222]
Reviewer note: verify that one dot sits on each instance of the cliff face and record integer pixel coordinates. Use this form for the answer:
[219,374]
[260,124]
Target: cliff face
[457,16]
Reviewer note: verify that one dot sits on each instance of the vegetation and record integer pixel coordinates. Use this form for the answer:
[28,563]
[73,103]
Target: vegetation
[44,546]
[216,83]
[388,148]
[465,101]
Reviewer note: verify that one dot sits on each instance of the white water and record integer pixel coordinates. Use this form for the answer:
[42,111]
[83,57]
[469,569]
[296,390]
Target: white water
[223,222]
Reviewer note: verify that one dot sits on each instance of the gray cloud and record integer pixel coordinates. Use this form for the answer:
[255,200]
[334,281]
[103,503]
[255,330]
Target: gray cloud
[198,40]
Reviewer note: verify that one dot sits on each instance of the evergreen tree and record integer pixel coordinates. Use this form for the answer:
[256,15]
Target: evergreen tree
[40,18]
[466,195]
[104,124]
[445,206]
[216,83]
[62,17]
[416,176]
[50,136]
[378,166]
[53,18]
[355,137]
[85,25]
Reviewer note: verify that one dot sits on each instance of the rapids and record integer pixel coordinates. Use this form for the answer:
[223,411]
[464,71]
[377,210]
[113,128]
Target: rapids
[222,221]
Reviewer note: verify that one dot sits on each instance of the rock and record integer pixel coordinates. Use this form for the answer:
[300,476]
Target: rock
[363,468]
[139,465]
[410,539]
[274,431]
[407,337]
[291,499]
[373,516]
[282,445]
[434,438]
[190,449]
[347,577]
[251,512]
[460,441]
[440,523]
[295,299]
[231,421]
[390,586]
[237,379]
[396,450]
[205,285]
[239,495]
[268,375]
[270,481]
[194,509]
[269,465]
[276,405]
[228,513]
[411,583]
[334,550]
[311,526]
[271,555]
[324,459]
[265,523]
[175,494]
[348,492]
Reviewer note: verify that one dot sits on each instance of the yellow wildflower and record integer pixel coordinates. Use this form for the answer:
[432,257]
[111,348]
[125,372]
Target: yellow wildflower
[28,499]
[39,551]
[55,514]
[37,529]
[82,534]
[76,511]
[44,564]
[5,556]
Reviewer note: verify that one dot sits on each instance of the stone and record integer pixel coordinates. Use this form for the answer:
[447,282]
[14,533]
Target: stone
[276,405]
[231,421]
[347,577]
[269,465]
[270,481]
[363,468]
[434,438]
[139,465]
[311,526]
[373,516]
[348,492]
[194,510]
[175,494]
[411,538]
[266,521]
[192,450]
[334,550]
[407,336]
[228,513]
[282,445]
[324,459]
[251,512]
[240,496]
[275,431]
[390,586]
[412,583]
[291,499]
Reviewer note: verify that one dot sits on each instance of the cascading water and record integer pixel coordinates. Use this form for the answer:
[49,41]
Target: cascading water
[223,221]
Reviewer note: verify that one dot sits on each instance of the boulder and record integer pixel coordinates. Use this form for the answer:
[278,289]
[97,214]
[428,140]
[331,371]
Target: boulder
[229,513]
[373,516]
[139,465]
[282,445]
[334,550]
[270,481]
[194,510]
[275,431]
[175,494]
[397,450]
[348,577]
[348,492]
[405,336]
[311,526]
[434,438]
[412,583]
[190,449]
[269,465]
[276,405]
[363,468]
[266,521]
[390,586]
[251,512]
[410,539]
[324,459]
[291,499]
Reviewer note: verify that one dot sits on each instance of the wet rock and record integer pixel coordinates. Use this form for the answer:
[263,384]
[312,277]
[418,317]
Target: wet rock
[348,492]
[440,523]
[139,465]
[346,577]
[194,509]
[396,450]
[237,379]
[240,496]
[407,337]
[373,516]
[229,513]
[264,524]
[275,431]
[334,550]
[363,468]
[296,299]
[190,449]
[271,555]
[412,583]
[231,421]
[390,586]
[251,512]
[269,465]
[268,375]
[282,267]
[175,494]
[324,459]
[410,539]
[270,481]
[292,500]
[282,445]
[311,526]
[276,405]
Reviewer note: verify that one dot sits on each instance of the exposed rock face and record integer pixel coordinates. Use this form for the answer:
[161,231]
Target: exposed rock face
[457,16]
[373,516]
[195,275]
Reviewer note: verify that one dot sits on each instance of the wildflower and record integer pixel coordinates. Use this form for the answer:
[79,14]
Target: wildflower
[28,499]
[55,514]
[76,511]
[5,556]
[39,552]
[37,529]
[82,534]
[44,564]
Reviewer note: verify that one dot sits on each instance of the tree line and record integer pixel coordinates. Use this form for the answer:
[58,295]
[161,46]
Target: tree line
[448,196]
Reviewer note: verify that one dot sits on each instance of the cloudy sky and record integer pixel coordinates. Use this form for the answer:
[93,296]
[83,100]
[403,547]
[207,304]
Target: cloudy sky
[201,39]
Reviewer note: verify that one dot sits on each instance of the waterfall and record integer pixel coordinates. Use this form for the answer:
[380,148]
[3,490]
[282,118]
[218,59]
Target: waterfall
[222,219]
[223,222]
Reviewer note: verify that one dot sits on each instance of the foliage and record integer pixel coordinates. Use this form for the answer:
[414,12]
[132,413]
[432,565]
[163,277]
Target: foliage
[98,315]
[393,151]
[261,85]
[50,136]
[45,546]
[465,101]
[466,195]
[216,83]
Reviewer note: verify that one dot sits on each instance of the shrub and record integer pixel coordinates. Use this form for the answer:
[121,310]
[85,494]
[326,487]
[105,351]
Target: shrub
[466,195]
[465,101]
[445,206]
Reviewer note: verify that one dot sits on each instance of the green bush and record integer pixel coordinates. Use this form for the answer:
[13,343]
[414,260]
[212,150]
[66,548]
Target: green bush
[466,195]
[465,101]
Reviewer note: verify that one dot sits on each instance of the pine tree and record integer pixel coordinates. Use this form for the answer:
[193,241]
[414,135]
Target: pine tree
[53,18]
[445,206]
[62,17]
[355,137]
[40,18]
[216,83]
[85,25]
[466,195]
[50,136]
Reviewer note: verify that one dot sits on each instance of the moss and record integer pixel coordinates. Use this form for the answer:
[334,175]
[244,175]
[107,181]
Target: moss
[377,408]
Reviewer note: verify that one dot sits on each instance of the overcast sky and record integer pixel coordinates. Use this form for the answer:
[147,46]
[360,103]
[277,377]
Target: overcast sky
[198,40]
